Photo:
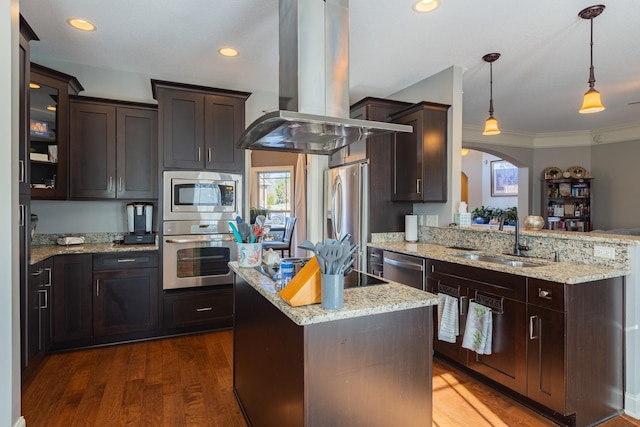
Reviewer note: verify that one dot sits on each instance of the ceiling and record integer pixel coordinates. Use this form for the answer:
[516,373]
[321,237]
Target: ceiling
[538,82]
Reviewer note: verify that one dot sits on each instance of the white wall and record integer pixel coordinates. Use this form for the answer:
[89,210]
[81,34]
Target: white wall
[444,87]
[9,261]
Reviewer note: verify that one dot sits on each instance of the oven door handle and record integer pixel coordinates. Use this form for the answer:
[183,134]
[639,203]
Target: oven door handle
[197,240]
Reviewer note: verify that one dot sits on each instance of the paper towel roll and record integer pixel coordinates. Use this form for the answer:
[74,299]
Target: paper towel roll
[411,228]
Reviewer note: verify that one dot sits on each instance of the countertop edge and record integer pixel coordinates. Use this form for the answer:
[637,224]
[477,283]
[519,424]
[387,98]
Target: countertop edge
[41,253]
[358,302]
[562,272]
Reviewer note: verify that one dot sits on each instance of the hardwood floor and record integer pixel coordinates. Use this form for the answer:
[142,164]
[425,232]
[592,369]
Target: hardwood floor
[187,381]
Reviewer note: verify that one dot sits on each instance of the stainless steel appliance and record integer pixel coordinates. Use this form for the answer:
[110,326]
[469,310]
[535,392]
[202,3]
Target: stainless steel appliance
[405,269]
[314,85]
[196,253]
[194,195]
[347,207]
[139,224]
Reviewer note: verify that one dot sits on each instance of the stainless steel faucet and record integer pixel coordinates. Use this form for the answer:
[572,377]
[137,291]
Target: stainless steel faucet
[517,247]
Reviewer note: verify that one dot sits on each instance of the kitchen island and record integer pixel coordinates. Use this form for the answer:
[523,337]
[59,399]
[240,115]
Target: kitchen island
[368,364]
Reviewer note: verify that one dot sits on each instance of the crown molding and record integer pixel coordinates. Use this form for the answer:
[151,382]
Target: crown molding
[473,134]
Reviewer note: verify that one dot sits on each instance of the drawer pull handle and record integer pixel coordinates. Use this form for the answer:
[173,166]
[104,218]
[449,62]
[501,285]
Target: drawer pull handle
[126,260]
[48,281]
[204,309]
[37,272]
[532,320]
[544,293]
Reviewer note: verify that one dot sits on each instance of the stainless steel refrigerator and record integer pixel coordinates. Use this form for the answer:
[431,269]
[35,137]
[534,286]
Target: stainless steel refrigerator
[347,207]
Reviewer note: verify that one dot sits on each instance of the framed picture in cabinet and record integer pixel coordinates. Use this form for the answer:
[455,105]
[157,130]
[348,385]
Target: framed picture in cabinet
[504,178]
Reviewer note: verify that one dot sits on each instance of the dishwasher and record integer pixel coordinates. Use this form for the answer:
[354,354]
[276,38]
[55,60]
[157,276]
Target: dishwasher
[406,269]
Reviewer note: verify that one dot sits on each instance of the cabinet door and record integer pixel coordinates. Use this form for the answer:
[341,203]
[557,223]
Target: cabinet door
[125,301]
[24,102]
[419,159]
[546,358]
[183,129]
[453,351]
[406,161]
[137,153]
[72,311]
[49,172]
[224,123]
[93,150]
[507,363]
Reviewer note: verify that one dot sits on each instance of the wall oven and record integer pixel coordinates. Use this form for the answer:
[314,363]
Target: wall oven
[196,253]
[199,195]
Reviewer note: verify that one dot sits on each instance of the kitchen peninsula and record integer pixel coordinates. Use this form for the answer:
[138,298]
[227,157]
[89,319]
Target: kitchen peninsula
[368,364]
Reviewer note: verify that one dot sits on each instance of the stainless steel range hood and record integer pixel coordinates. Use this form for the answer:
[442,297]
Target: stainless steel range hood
[314,85]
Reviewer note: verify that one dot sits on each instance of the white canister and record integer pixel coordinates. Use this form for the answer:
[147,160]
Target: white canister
[411,228]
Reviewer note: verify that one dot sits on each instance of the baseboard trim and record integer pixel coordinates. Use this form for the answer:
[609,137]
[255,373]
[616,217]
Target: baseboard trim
[632,405]
[20,423]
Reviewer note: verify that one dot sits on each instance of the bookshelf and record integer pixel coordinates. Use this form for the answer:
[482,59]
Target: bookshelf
[566,204]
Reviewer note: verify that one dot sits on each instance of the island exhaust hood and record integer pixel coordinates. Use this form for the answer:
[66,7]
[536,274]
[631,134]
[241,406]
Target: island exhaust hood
[314,85]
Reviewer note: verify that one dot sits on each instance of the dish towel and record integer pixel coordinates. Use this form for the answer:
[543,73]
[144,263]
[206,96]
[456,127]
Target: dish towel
[478,329]
[448,326]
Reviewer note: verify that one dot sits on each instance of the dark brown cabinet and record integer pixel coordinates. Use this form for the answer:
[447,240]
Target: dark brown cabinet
[199,126]
[49,131]
[198,309]
[72,306]
[377,151]
[114,150]
[419,158]
[506,295]
[558,346]
[37,324]
[125,298]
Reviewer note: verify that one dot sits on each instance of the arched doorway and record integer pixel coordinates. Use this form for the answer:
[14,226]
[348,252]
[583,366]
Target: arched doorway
[481,182]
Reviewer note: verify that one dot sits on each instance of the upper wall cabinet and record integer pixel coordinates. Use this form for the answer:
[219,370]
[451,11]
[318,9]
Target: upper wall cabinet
[49,131]
[199,126]
[114,149]
[419,158]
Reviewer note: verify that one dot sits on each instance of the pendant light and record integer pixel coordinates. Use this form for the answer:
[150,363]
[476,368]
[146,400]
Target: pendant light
[491,125]
[592,102]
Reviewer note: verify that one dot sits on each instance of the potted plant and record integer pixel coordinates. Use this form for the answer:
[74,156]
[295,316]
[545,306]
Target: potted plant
[481,215]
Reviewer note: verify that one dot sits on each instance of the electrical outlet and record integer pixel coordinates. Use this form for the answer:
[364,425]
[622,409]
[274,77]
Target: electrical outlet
[604,252]
[432,220]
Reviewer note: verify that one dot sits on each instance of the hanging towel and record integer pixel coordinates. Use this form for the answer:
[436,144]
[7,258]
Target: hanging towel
[478,329]
[448,326]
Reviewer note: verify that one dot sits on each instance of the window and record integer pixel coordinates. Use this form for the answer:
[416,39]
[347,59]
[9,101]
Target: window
[273,190]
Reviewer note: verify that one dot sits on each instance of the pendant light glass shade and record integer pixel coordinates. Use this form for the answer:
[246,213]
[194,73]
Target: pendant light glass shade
[592,102]
[491,127]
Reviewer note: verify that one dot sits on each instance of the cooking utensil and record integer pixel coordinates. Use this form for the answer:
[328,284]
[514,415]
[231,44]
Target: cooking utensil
[245,231]
[236,233]
[307,246]
[260,219]
[322,262]
[333,252]
[239,219]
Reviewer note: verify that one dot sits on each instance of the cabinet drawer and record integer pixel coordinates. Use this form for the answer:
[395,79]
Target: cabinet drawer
[125,260]
[198,308]
[546,294]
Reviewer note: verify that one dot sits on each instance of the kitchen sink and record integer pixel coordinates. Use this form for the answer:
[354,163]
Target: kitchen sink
[497,259]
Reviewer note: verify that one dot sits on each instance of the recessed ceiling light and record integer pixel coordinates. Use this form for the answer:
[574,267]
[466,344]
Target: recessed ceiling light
[228,51]
[425,6]
[81,24]
[51,107]
[34,86]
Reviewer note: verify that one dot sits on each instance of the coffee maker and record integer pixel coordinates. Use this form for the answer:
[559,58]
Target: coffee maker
[139,224]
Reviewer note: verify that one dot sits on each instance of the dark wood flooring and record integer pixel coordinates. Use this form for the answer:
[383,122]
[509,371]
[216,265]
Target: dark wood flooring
[187,381]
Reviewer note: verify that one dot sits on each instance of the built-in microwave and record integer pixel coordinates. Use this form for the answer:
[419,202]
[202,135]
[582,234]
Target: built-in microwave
[194,195]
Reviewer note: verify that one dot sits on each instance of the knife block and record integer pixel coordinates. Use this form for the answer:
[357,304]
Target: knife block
[306,287]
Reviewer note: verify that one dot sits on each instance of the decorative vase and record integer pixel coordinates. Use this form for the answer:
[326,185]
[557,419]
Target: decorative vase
[533,222]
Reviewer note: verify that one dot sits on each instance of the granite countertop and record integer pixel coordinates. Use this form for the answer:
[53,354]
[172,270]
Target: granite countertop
[562,272]
[358,302]
[40,253]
